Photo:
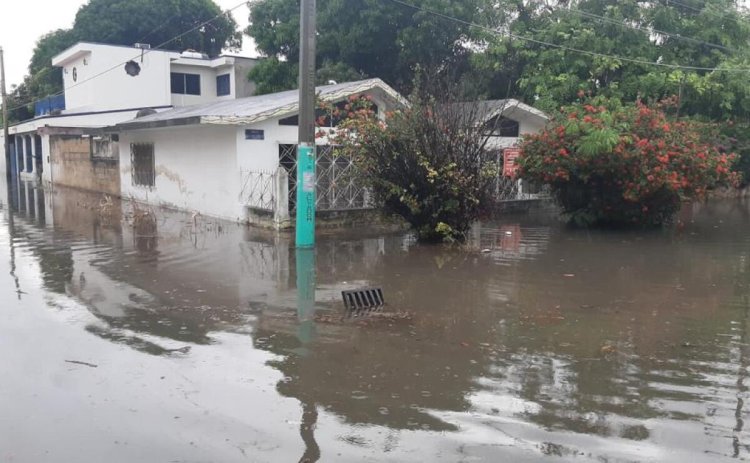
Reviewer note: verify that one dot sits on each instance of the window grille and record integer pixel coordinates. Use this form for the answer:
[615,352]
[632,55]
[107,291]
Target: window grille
[143,164]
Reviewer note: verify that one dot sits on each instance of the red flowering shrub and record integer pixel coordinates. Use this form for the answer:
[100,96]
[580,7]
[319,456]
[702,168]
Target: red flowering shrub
[613,164]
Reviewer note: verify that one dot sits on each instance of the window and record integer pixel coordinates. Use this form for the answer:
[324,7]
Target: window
[223,85]
[289,121]
[106,148]
[142,161]
[503,127]
[185,84]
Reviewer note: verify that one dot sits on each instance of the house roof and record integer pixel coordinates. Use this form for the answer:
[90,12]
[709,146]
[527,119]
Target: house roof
[509,107]
[254,109]
[83,48]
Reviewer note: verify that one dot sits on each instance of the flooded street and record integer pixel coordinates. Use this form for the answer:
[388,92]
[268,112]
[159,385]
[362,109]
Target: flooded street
[128,334]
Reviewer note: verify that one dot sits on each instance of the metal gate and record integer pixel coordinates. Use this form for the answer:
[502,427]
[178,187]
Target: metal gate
[339,184]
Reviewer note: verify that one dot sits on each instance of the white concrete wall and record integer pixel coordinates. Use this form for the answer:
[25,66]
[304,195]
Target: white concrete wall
[196,169]
[263,155]
[241,85]
[46,176]
[255,155]
[208,85]
[115,89]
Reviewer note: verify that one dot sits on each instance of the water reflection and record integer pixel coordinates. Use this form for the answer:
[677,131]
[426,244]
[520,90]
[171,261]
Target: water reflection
[536,341]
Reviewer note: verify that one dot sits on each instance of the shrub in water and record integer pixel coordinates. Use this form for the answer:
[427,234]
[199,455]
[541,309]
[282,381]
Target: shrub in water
[427,163]
[616,164]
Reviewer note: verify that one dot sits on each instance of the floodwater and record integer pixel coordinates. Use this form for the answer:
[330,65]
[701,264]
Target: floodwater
[133,335]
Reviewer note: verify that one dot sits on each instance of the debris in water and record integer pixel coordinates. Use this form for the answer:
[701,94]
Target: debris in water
[78,362]
[608,349]
[182,350]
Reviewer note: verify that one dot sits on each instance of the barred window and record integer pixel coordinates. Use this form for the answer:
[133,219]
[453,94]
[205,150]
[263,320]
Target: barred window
[143,164]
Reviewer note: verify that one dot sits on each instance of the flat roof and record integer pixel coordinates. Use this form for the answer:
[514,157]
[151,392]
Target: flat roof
[79,49]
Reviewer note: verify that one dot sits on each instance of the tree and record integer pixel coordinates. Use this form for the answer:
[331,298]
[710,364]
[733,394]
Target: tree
[157,22]
[616,164]
[369,38]
[560,47]
[428,163]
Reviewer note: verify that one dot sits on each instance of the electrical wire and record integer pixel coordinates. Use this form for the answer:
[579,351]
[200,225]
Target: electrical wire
[143,53]
[563,47]
[648,30]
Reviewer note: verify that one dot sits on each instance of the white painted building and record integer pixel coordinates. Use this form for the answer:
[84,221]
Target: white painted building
[108,84]
[231,159]
[95,77]
[509,120]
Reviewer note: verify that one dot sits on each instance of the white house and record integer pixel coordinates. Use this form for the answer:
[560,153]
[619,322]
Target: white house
[510,119]
[183,130]
[237,158]
[108,84]
[100,77]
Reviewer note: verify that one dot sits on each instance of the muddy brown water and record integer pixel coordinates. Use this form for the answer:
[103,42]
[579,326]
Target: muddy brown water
[140,335]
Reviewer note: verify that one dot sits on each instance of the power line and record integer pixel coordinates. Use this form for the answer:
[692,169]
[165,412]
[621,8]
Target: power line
[563,47]
[649,30]
[143,53]
[703,10]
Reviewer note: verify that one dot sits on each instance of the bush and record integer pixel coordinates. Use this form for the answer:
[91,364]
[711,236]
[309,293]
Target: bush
[612,164]
[426,163]
[735,137]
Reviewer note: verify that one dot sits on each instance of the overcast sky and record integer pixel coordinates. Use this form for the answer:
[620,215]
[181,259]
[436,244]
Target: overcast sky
[22,22]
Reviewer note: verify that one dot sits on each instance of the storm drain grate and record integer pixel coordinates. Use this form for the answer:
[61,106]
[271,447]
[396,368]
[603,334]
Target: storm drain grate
[363,299]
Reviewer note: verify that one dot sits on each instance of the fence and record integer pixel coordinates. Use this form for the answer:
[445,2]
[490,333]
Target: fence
[259,190]
[339,185]
[510,189]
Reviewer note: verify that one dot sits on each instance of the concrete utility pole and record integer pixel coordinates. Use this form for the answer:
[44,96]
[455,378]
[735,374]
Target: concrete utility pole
[305,232]
[6,146]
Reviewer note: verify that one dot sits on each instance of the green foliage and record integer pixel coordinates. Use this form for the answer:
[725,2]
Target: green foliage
[733,137]
[126,22]
[368,38]
[613,164]
[704,34]
[427,163]
[271,76]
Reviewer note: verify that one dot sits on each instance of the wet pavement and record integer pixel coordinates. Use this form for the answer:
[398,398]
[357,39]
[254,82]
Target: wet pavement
[130,334]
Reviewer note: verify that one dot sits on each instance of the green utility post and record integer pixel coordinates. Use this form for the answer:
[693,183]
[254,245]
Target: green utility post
[306,147]
[305,231]
[305,196]
[306,294]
